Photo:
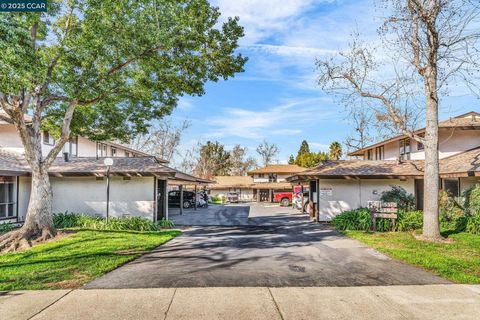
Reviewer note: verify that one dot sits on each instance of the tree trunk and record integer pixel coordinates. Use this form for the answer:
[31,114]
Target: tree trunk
[431,227]
[38,225]
[39,219]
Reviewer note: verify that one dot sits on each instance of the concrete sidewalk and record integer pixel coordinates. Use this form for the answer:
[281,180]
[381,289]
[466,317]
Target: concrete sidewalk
[382,302]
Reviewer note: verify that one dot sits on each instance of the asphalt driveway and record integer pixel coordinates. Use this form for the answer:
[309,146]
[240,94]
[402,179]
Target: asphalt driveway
[254,246]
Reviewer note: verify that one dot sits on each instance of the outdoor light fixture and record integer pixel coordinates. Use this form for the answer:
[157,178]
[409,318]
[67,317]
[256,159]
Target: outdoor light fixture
[108,162]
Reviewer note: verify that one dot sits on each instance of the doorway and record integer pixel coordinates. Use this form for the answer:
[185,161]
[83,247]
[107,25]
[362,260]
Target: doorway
[419,193]
[264,195]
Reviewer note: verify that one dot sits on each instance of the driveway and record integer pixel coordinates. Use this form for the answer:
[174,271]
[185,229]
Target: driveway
[256,246]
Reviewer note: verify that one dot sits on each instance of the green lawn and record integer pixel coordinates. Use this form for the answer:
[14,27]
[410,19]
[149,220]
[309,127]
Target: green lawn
[76,259]
[458,261]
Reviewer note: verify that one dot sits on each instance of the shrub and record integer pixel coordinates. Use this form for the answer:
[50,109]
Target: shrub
[472,199]
[6,227]
[473,224]
[164,223]
[450,211]
[72,220]
[217,199]
[409,220]
[403,199]
[359,219]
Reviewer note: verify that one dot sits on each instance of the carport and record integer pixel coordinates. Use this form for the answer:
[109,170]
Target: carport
[181,180]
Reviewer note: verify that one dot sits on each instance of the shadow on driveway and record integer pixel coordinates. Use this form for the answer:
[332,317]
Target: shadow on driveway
[273,251]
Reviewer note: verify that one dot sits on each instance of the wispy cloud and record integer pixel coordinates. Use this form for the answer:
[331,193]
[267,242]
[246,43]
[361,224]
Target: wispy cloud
[281,120]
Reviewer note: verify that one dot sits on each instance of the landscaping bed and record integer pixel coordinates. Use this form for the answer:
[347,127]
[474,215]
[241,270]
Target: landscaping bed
[76,259]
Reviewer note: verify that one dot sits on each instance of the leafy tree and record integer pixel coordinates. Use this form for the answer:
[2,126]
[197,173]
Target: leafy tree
[240,164]
[103,69]
[213,160]
[335,150]
[268,152]
[311,159]
[291,160]
[304,148]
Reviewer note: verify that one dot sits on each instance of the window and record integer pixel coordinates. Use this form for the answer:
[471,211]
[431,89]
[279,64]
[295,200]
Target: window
[370,154]
[114,151]
[452,187]
[272,177]
[404,146]
[379,153]
[48,139]
[101,150]
[7,198]
[127,154]
[420,145]
[261,175]
[71,146]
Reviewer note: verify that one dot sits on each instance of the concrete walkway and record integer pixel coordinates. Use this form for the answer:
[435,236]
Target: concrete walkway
[392,302]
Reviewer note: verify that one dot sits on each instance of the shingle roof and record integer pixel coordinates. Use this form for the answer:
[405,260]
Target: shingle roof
[14,163]
[361,168]
[463,164]
[460,165]
[470,120]
[278,168]
[222,182]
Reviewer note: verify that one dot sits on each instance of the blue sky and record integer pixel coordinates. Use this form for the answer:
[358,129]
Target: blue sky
[276,98]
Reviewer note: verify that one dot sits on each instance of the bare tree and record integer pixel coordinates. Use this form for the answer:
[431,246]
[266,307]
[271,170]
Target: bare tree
[240,163]
[268,152]
[362,135]
[426,44]
[162,140]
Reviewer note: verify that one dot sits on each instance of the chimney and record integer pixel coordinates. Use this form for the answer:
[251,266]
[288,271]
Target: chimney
[65,156]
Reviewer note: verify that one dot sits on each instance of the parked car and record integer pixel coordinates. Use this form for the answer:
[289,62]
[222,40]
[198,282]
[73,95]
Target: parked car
[188,198]
[284,198]
[233,197]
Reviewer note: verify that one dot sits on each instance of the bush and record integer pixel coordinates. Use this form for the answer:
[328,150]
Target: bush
[472,199]
[6,227]
[72,220]
[217,199]
[360,219]
[409,220]
[450,211]
[403,199]
[472,224]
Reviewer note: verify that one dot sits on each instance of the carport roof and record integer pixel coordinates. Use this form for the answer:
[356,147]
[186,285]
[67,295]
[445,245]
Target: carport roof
[465,164]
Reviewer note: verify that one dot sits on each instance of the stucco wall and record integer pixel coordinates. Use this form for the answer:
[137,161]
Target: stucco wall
[133,197]
[352,194]
[451,141]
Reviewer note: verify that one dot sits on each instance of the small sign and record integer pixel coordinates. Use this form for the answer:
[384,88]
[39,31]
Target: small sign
[23,5]
[326,191]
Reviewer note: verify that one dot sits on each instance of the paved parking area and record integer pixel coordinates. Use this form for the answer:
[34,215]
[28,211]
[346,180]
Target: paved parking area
[256,246]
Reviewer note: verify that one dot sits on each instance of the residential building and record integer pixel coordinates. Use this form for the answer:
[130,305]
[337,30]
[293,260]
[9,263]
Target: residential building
[259,185]
[138,183]
[348,184]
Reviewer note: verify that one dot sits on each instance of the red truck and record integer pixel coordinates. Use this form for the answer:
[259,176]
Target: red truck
[285,198]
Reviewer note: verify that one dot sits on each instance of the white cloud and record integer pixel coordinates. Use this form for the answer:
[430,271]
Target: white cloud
[281,120]
[185,104]
[262,18]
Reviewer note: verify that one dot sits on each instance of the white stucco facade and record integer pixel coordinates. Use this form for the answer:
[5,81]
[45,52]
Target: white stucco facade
[338,195]
[134,197]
